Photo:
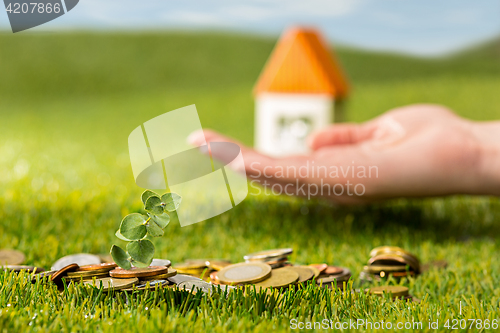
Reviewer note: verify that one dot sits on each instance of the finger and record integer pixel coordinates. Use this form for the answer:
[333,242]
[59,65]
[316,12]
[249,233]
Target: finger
[341,134]
[253,161]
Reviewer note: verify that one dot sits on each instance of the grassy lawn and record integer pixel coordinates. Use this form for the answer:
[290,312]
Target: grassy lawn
[67,105]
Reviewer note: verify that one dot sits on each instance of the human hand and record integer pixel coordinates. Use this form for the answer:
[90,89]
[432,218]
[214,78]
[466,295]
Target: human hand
[412,151]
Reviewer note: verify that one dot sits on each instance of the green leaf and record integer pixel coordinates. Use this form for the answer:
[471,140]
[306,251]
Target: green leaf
[153,205]
[171,201]
[120,257]
[153,229]
[120,236]
[133,226]
[146,194]
[140,265]
[141,251]
[162,220]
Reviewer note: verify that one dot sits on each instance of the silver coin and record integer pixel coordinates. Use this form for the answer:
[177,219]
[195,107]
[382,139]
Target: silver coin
[152,283]
[269,260]
[161,262]
[268,254]
[205,287]
[81,259]
[179,278]
[223,287]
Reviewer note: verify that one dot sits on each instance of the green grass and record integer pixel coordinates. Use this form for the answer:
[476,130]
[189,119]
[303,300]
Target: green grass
[67,105]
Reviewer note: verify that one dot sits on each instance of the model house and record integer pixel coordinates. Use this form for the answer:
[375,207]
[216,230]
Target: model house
[296,92]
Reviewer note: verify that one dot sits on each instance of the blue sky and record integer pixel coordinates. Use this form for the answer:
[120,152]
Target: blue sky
[425,27]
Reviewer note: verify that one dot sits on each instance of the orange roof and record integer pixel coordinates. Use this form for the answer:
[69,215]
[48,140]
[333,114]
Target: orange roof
[301,63]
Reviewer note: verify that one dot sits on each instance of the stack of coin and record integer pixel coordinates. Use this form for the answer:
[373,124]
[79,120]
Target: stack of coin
[82,259]
[88,272]
[390,260]
[202,268]
[192,267]
[147,278]
[262,275]
[332,275]
[275,258]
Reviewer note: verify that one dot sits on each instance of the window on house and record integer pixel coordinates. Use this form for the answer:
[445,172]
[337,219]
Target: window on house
[294,130]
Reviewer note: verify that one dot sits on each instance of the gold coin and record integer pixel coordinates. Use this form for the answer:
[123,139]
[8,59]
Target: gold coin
[244,273]
[193,265]
[392,249]
[138,272]
[77,274]
[190,271]
[280,277]
[375,269]
[104,266]
[268,254]
[305,273]
[88,277]
[401,274]
[315,271]
[394,260]
[176,279]
[171,272]
[198,273]
[111,283]
[395,291]
[217,264]
[11,257]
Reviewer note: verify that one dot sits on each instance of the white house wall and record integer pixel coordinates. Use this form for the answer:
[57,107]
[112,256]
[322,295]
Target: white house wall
[271,107]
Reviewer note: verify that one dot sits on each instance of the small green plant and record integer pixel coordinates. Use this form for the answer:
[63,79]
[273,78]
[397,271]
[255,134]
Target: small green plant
[136,228]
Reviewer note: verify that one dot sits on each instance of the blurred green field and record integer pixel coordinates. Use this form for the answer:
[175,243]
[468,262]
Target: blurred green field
[68,102]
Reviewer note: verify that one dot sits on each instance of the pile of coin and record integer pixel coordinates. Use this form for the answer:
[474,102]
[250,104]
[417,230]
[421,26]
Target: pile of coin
[271,269]
[201,268]
[388,261]
[264,269]
[331,276]
[108,275]
[275,258]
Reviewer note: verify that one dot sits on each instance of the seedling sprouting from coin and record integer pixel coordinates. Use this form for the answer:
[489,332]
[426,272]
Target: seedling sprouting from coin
[135,228]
